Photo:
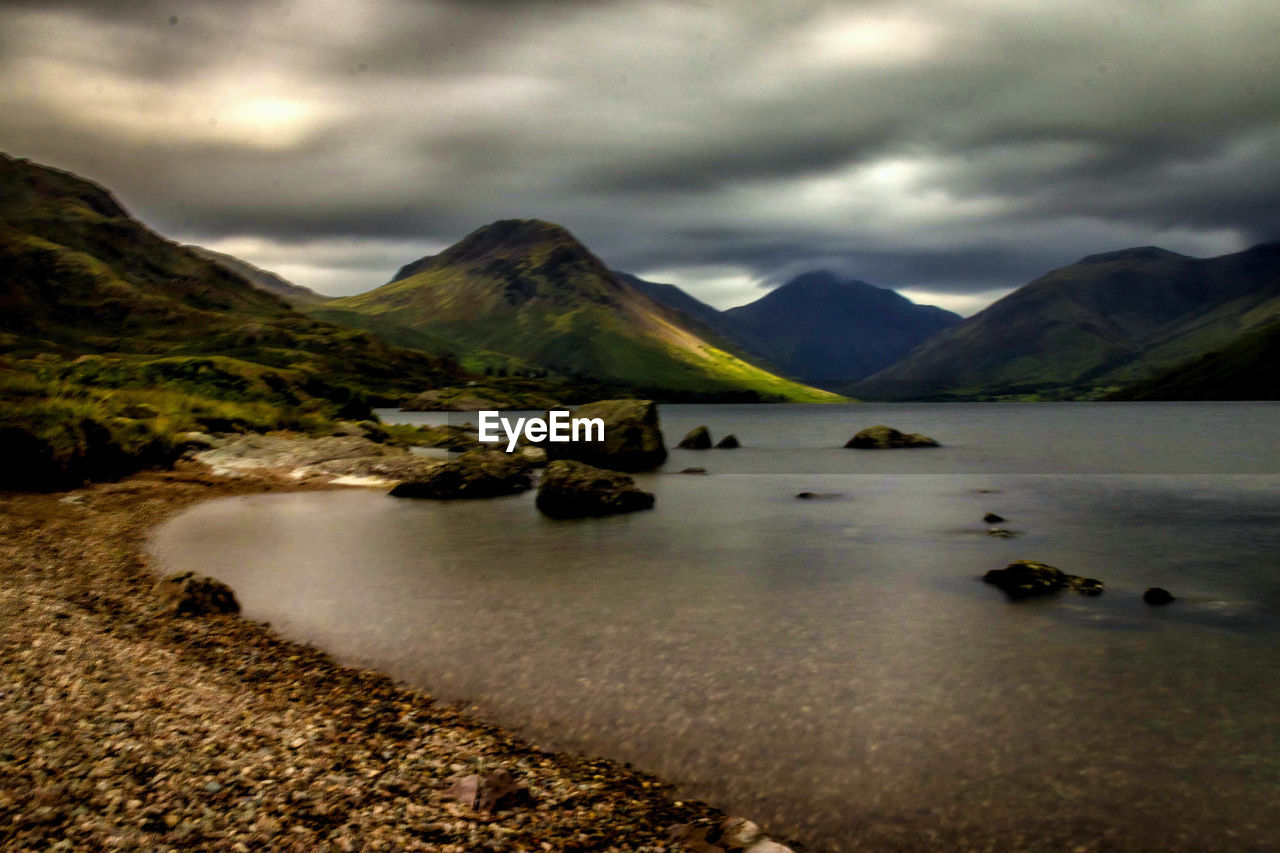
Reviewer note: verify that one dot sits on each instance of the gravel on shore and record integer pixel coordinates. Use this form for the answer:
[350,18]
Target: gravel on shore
[124,728]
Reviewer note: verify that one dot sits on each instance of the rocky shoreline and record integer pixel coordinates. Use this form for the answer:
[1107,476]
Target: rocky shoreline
[124,727]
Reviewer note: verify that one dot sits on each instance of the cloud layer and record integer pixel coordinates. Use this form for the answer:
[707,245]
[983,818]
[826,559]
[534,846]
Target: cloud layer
[950,148]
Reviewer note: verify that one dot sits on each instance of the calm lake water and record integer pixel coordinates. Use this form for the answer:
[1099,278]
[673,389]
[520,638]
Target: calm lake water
[835,669]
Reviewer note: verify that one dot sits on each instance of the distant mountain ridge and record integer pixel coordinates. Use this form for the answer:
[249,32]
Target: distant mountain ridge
[526,294]
[294,294]
[1093,327]
[817,327]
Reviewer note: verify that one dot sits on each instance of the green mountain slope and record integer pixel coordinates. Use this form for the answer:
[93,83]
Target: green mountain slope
[1087,329]
[1244,369]
[78,276]
[526,293]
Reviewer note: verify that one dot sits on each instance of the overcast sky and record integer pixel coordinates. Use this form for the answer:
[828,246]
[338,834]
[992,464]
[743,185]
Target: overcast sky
[950,149]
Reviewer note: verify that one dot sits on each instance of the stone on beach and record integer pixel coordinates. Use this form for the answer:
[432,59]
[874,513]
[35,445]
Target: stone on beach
[190,594]
[574,490]
[882,438]
[632,437]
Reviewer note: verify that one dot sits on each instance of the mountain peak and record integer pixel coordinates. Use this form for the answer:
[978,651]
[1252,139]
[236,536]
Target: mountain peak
[824,286]
[1138,253]
[508,237]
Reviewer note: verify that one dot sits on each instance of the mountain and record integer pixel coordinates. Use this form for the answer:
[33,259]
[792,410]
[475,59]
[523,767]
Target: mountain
[831,332]
[79,275]
[713,319]
[526,295]
[1244,369]
[816,327]
[292,293]
[1092,327]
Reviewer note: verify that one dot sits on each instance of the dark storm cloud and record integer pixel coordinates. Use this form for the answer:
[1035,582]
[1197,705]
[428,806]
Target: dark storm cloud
[949,148]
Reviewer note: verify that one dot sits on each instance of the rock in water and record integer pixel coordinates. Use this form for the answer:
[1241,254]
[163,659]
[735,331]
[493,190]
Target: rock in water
[1157,595]
[992,518]
[728,442]
[1001,533]
[474,474]
[632,439]
[883,437]
[574,489]
[699,438]
[190,594]
[1027,578]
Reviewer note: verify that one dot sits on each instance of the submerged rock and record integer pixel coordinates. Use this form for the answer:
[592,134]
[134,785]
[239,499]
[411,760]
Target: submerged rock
[1158,596]
[1001,533]
[190,594]
[1027,578]
[728,443]
[882,438]
[632,438]
[574,490]
[992,518]
[474,474]
[699,438]
[693,470]
[817,496]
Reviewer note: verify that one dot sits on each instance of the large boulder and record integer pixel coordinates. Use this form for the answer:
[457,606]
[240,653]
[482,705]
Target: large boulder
[632,439]
[1027,579]
[474,474]
[190,594]
[882,438]
[699,438]
[575,490]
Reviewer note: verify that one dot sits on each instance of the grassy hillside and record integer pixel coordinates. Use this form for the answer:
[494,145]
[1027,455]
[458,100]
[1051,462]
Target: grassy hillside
[78,275]
[113,341]
[524,294]
[1245,369]
[1087,329]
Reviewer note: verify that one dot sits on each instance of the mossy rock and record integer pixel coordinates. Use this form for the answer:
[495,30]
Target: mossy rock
[576,490]
[729,442]
[884,438]
[632,437]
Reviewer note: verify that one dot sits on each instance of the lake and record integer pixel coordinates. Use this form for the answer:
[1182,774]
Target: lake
[835,669]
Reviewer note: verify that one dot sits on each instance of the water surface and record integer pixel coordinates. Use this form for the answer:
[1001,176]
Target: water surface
[834,668]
